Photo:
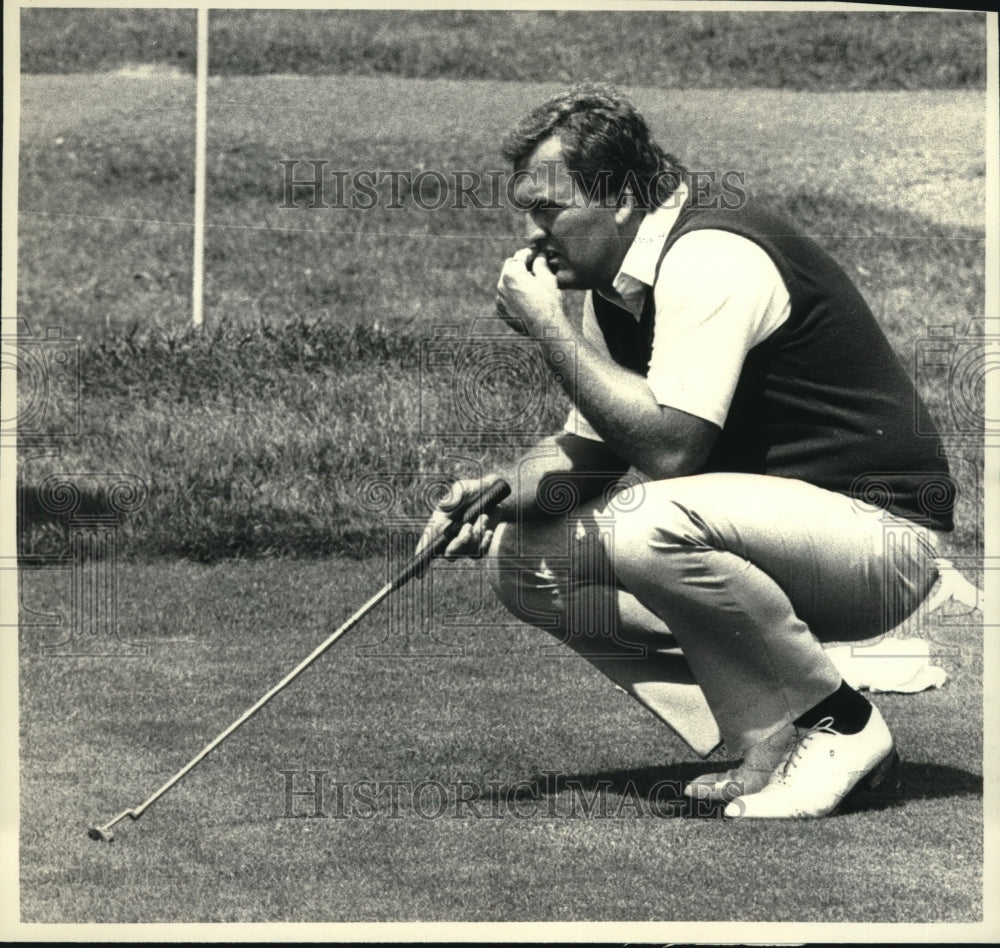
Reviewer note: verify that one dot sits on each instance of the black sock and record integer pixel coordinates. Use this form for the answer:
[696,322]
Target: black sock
[849,709]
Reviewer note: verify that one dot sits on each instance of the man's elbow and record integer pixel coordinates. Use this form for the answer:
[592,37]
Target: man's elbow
[677,458]
[676,463]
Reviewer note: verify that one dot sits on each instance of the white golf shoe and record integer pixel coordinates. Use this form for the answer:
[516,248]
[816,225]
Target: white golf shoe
[752,775]
[822,769]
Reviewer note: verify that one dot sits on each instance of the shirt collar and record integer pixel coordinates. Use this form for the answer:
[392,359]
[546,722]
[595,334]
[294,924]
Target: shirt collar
[638,270]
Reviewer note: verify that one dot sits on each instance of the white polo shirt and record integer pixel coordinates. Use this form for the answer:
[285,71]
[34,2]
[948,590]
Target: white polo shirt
[717,296]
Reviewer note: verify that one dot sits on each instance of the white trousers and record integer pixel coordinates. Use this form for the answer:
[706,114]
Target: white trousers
[747,574]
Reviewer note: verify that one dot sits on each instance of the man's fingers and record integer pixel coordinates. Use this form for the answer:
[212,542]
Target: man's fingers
[460,545]
[514,267]
[473,540]
[484,544]
[525,259]
[469,538]
[540,266]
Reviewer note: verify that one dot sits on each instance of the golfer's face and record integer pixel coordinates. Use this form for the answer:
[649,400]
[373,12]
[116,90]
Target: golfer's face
[579,238]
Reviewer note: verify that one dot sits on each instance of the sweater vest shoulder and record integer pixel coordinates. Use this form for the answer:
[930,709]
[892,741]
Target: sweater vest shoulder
[824,399]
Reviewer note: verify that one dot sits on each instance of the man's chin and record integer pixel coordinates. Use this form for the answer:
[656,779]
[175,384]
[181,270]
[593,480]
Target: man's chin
[566,279]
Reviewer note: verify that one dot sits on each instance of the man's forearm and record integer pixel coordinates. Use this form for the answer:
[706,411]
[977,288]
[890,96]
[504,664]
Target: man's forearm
[560,471]
[623,410]
[659,441]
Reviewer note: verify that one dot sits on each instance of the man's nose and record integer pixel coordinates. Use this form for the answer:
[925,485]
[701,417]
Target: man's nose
[534,230]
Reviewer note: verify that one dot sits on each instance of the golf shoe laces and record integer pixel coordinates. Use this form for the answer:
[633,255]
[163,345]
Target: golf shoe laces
[824,726]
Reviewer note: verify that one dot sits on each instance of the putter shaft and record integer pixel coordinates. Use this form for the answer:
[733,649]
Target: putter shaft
[469,512]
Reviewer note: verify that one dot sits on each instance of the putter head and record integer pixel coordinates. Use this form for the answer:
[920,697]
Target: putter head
[103,835]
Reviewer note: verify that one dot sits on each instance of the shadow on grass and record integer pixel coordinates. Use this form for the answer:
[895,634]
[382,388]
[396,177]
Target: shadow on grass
[47,517]
[658,791]
[918,781]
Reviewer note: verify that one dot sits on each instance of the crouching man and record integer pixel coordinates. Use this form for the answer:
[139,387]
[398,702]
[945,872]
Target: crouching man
[733,400]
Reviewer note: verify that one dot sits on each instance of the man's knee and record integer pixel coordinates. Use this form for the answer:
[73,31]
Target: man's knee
[655,534]
[518,573]
[503,579]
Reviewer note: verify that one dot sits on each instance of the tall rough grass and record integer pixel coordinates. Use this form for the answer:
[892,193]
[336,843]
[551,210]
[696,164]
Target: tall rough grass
[298,439]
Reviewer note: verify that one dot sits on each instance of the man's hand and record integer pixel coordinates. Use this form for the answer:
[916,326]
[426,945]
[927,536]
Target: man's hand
[473,539]
[528,296]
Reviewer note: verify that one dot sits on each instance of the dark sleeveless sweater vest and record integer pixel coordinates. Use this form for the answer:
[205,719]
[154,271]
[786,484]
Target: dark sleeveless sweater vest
[824,399]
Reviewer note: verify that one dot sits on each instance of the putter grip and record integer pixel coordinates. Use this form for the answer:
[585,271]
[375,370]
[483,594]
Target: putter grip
[469,511]
[481,502]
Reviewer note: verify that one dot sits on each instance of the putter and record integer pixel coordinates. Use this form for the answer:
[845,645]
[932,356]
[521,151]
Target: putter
[468,512]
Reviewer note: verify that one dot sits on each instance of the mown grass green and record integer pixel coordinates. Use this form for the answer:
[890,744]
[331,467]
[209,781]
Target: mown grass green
[671,49]
[501,711]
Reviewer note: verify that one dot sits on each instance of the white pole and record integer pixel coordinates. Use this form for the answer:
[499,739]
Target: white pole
[201,121]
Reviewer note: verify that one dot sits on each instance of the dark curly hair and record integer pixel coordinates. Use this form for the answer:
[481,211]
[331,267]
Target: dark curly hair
[606,144]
